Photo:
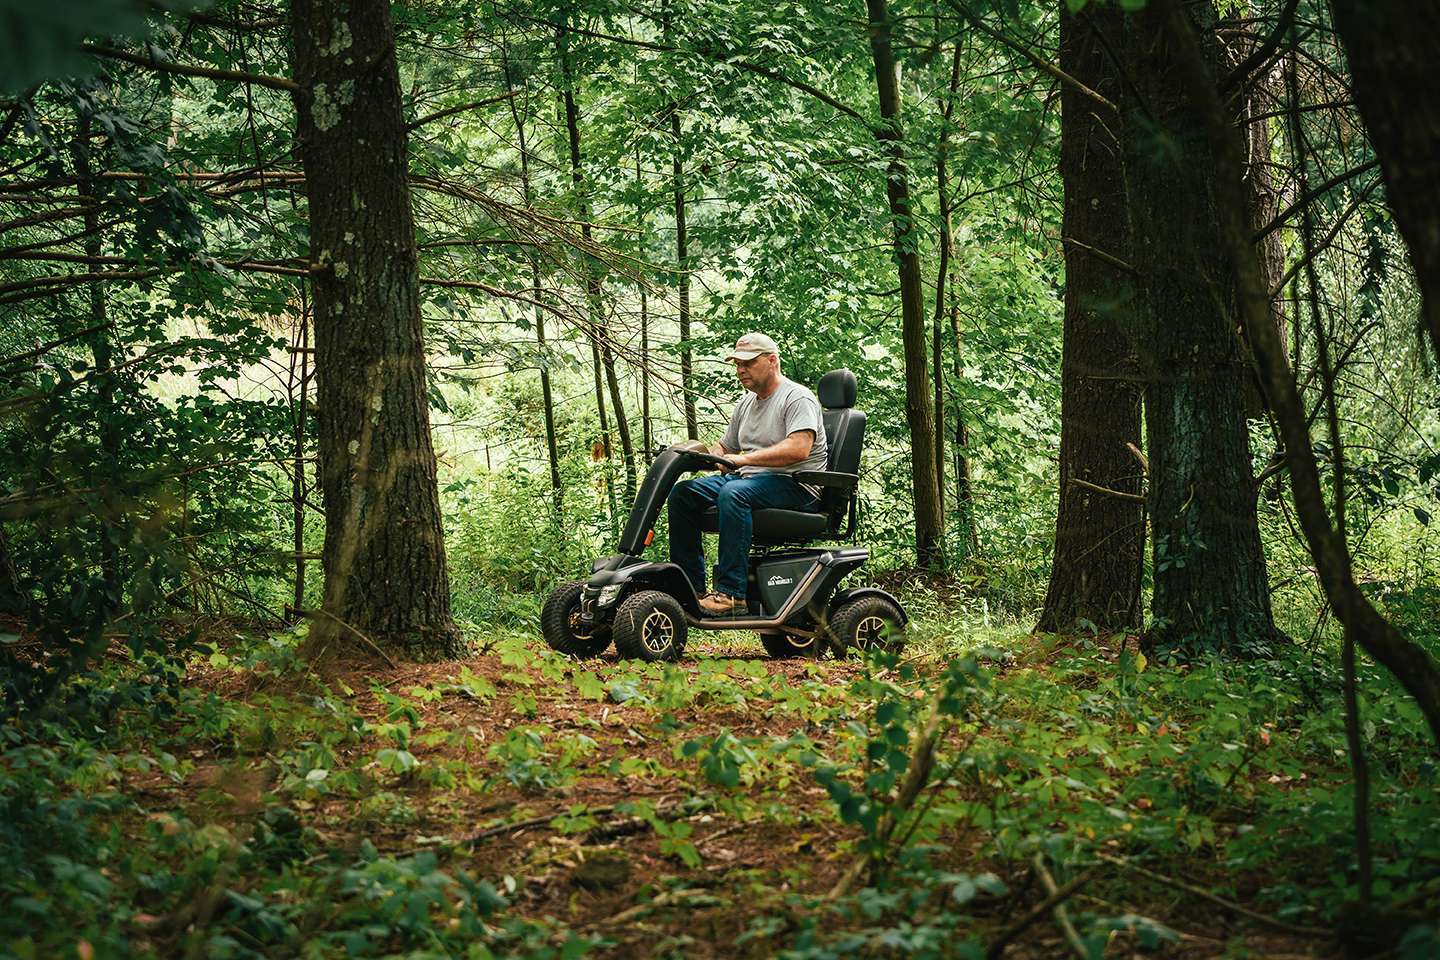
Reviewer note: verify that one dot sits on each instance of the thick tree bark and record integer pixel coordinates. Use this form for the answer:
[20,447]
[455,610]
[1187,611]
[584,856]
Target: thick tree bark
[1210,590]
[1099,537]
[1411,664]
[1394,53]
[919,405]
[384,554]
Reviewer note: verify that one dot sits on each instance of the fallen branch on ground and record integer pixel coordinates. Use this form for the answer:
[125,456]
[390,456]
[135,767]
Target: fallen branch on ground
[1297,929]
[1057,910]
[1055,898]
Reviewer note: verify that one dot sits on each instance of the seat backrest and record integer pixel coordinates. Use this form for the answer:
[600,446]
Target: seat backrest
[844,431]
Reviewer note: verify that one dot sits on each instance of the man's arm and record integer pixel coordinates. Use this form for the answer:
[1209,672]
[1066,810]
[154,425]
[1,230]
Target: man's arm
[791,450]
[700,446]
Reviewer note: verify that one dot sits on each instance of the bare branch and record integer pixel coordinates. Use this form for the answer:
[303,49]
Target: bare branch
[462,108]
[188,70]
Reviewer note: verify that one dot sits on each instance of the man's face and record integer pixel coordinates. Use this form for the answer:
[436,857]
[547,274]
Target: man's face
[756,372]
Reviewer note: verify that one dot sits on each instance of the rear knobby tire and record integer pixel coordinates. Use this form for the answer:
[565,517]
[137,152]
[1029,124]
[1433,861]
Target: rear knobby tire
[785,646]
[560,624]
[650,626]
[867,623]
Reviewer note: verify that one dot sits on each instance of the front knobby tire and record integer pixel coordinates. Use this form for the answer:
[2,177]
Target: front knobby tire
[650,626]
[867,623]
[560,624]
[783,646]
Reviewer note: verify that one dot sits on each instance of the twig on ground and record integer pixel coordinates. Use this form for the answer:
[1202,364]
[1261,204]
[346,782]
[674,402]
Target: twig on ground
[662,900]
[917,774]
[519,825]
[365,641]
[1055,898]
[1120,909]
[601,832]
[1424,892]
[1062,918]
[1299,930]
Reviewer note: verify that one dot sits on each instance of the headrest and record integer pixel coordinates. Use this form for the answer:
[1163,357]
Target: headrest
[837,390]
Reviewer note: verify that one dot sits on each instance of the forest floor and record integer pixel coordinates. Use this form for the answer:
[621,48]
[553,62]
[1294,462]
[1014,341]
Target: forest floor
[521,804]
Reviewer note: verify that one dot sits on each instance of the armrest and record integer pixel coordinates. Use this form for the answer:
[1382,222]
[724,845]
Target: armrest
[827,478]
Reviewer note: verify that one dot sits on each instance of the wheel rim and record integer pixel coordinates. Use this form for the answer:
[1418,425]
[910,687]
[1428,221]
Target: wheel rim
[870,632]
[657,632]
[576,630]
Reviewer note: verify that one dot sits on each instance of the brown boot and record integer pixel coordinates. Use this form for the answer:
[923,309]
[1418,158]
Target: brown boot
[716,604]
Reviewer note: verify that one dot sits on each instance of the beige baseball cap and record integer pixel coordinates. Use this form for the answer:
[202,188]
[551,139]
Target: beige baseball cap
[753,345]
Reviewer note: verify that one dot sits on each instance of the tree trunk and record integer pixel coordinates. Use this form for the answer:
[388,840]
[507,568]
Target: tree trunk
[647,427]
[1394,54]
[682,282]
[1259,97]
[682,252]
[102,352]
[942,272]
[1210,590]
[1417,671]
[605,449]
[12,598]
[622,425]
[599,327]
[546,394]
[384,555]
[919,405]
[1099,537]
[964,495]
[299,399]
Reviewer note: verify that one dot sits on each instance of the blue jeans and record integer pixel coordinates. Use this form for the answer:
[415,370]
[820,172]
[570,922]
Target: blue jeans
[734,497]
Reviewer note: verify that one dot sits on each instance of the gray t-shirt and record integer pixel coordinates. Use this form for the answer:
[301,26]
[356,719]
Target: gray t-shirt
[757,423]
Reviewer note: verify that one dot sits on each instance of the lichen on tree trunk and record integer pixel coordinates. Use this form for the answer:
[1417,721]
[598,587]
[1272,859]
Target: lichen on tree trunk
[384,555]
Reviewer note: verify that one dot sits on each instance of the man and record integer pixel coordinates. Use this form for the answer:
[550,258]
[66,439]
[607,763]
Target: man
[775,431]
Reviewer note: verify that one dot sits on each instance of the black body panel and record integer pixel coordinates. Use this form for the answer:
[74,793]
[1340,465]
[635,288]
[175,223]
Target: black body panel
[775,578]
